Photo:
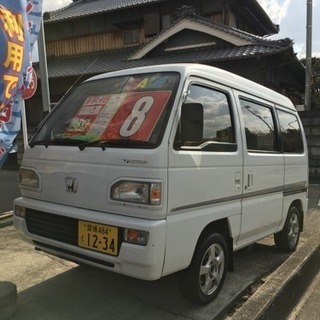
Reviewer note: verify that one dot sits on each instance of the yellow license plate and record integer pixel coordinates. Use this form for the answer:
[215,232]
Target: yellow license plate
[98,237]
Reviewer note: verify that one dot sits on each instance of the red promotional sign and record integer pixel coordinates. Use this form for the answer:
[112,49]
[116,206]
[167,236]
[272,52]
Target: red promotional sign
[32,86]
[120,116]
[5,113]
[137,116]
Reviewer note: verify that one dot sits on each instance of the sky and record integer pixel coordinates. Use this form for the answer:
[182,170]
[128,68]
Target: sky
[290,15]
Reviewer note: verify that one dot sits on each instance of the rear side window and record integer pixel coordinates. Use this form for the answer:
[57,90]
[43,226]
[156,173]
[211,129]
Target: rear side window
[259,127]
[291,132]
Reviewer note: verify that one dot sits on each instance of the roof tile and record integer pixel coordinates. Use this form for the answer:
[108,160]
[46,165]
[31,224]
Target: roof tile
[100,62]
[87,7]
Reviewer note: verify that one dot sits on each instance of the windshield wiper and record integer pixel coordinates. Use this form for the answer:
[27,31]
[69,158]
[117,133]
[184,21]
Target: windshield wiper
[82,144]
[116,143]
[57,141]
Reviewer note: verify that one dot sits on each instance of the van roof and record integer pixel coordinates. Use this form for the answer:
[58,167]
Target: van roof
[211,73]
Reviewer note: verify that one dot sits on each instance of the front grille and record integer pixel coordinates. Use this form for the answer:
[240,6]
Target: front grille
[52,226]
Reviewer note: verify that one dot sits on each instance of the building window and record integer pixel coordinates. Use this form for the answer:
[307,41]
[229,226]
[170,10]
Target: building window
[131,37]
[217,17]
[151,24]
[165,21]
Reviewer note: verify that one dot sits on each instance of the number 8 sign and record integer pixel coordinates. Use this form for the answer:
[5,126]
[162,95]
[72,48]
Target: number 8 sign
[137,116]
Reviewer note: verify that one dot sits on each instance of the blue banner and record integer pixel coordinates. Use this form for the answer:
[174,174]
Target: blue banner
[20,25]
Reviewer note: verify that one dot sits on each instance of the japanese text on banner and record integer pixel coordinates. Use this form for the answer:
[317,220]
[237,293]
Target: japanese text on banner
[20,25]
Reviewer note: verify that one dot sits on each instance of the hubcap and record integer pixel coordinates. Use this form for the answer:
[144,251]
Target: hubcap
[212,269]
[293,229]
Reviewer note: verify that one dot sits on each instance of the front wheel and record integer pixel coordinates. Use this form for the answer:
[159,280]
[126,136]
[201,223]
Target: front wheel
[202,280]
[287,239]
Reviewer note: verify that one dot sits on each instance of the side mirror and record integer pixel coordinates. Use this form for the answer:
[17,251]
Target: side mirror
[191,122]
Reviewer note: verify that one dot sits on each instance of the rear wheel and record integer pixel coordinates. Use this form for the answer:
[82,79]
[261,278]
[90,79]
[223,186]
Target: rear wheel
[202,280]
[287,239]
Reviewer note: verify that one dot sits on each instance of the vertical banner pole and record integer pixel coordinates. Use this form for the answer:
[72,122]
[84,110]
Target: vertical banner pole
[24,125]
[43,70]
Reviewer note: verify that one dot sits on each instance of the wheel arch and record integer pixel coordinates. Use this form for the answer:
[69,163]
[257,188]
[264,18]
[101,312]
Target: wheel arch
[222,227]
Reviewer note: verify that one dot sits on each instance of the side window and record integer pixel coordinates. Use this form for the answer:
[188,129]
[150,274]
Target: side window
[291,132]
[218,131]
[131,37]
[259,127]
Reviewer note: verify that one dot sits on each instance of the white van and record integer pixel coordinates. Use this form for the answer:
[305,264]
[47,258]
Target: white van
[168,168]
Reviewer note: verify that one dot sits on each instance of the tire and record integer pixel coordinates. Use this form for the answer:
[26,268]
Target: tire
[201,282]
[287,240]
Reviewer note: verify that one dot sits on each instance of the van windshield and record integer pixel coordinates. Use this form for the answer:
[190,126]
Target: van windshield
[128,111]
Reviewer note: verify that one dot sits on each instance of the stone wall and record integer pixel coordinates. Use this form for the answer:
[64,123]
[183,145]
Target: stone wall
[311,124]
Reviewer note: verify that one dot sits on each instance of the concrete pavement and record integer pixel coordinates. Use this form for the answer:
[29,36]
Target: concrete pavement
[270,296]
[50,288]
[282,290]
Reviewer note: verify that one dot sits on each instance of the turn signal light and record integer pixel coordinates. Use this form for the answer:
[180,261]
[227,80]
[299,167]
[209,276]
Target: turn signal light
[20,211]
[136,236]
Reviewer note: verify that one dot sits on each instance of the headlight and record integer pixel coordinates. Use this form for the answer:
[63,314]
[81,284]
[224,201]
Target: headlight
[28,178]
[142,192]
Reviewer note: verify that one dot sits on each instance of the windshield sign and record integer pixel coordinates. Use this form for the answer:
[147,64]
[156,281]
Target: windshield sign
[123,111]
[125,115]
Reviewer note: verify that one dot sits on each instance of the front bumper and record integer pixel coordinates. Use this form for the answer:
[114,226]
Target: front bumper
[143,262]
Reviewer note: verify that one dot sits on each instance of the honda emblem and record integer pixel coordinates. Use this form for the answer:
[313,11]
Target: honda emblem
[71,184]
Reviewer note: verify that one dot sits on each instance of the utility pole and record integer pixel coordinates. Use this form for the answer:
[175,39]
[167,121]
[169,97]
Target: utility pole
[307,102]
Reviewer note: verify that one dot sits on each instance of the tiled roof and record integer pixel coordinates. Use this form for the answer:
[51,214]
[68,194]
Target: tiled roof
[100,62]
[224,28]
[87,64]
[153,53]
[80,8]
[250,9]
[236,33]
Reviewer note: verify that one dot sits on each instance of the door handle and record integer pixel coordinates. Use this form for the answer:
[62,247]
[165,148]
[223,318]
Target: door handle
[249,181]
